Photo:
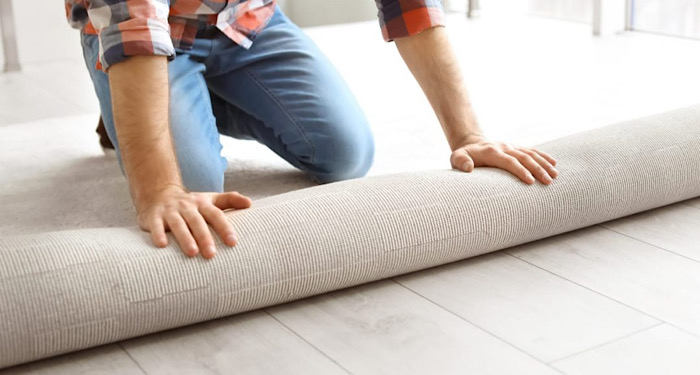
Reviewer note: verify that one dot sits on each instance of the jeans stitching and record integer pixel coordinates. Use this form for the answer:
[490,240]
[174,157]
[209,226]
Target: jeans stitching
[205,90]
[283,109]
[210,114]
[212,119]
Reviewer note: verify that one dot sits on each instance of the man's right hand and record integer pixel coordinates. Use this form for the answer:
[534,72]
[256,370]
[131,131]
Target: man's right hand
[186,215]
[140,93]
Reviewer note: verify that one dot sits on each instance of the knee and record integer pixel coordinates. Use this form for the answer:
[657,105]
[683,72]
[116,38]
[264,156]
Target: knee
[346,156]
[193,128]
[199,156]
[206,181]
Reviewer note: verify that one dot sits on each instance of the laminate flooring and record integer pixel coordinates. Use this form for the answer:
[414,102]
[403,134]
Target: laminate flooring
[621,297]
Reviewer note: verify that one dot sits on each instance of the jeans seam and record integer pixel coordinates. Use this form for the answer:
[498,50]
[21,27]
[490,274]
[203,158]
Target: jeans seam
[210,113]
[211,116]
[205,89]
[282,108]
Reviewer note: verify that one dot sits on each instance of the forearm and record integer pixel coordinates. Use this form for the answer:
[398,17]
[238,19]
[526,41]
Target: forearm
[433,63]
[431,60]
[140,92]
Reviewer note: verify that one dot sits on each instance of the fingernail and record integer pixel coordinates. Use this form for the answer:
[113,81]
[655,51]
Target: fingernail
[530,179]
[232,239]
[212,249]
[465,166]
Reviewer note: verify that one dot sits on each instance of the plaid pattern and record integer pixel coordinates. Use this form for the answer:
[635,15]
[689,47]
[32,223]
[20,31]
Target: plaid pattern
[401,18]
[156,27]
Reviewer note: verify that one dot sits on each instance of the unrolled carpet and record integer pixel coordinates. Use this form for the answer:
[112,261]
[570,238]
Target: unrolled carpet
[65,291]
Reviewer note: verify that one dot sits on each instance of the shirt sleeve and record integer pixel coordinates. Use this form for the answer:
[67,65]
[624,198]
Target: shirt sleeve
[400,18]
[131,27]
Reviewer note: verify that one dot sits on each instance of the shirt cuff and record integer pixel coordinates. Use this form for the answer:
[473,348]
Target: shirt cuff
[140,36]
[402,18]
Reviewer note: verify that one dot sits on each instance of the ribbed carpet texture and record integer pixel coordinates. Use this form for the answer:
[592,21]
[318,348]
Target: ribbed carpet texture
[70,290]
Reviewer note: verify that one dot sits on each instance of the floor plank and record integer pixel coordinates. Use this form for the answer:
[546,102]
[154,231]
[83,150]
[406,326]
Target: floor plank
[693,203]
[673,228]
[252,343]
[659,350]
[68,79]
[657,282]
[23,100]
[103,360]
[384,328]
[538,312]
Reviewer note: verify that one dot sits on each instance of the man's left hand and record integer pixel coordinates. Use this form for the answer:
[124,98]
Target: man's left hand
[524,163]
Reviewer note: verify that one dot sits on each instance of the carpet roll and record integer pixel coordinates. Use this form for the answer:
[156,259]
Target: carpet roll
[71,290]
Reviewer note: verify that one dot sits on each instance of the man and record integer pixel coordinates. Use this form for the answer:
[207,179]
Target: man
[181,72]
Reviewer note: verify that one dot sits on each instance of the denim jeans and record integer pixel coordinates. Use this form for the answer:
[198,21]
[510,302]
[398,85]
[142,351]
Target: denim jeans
[282,92]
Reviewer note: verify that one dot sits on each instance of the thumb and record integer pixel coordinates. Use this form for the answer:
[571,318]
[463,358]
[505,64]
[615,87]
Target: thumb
[232,199]
[461,160]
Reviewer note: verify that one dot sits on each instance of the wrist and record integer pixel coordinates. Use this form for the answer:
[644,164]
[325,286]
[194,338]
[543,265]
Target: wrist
[460,125]
[144,198]
[466,139]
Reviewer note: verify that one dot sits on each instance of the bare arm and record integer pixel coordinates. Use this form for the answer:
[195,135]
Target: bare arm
[143,130]
[140,92]
[433,63]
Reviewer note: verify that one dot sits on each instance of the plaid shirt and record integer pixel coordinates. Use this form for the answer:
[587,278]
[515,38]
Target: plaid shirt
[156,27]
[401,18]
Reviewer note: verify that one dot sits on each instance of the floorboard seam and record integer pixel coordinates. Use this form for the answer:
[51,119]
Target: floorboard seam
[478,327]
[132,358]
[650,244]
[308,342]
[584,287]
[608,297]
[606,343]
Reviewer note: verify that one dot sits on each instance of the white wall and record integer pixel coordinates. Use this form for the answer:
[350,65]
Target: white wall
[43,33]
[324,12]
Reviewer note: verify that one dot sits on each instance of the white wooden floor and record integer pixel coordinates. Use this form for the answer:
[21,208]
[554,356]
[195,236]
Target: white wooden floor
[619,298]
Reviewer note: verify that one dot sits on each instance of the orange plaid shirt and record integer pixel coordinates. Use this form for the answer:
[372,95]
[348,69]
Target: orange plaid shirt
[156,27]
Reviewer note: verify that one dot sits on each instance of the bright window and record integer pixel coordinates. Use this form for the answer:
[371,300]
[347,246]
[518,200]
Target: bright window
[672,17]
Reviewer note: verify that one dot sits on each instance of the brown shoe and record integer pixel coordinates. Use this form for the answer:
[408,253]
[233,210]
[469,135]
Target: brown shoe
[104,138]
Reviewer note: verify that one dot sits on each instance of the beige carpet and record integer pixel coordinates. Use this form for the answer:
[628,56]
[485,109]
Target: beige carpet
[71,290]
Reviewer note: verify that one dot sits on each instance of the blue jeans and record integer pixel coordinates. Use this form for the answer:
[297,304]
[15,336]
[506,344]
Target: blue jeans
[282,92]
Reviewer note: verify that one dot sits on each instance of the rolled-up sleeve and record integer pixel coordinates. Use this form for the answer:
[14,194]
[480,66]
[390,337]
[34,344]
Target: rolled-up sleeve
[131,27]
[401,18]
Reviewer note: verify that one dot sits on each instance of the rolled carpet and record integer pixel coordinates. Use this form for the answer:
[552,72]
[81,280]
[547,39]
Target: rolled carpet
[65,291]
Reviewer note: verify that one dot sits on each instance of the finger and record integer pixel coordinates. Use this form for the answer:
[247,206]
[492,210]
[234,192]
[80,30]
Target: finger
[157,229]
[546,156]
[231,200]
[200,231]
[531,165]
[217,219]
[553,172]
[513,166]
[461,160]
[182,234]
